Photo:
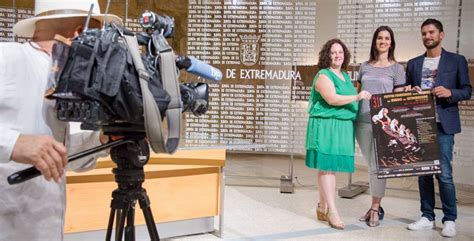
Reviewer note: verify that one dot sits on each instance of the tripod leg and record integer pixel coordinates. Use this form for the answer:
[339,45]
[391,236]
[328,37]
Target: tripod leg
[110,225]
[121,216]
[118,214]
[130,229]
[150,222]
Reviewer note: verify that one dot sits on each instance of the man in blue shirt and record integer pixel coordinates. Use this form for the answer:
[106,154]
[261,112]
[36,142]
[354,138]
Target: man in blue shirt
[446,75]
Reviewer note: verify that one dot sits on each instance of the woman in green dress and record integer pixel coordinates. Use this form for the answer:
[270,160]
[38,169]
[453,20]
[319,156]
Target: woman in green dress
[330,134]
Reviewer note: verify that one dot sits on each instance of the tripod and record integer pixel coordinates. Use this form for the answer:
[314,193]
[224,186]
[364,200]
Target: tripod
[130,154]
[129,176]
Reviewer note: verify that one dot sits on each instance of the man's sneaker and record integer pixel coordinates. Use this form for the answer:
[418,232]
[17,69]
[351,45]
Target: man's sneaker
[449,229]
[422,224]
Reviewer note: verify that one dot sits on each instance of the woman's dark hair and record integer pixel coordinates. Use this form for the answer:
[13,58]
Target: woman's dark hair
[325,54]
[374,54]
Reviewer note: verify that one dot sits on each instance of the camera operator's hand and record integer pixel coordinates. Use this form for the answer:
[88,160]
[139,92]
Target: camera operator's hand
[46,154]
[104,139]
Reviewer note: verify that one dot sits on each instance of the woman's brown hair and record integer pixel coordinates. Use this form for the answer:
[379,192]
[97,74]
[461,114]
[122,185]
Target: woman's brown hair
[325,54]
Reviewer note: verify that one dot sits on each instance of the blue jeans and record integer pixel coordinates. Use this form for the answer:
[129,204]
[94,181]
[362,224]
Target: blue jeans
[447,190]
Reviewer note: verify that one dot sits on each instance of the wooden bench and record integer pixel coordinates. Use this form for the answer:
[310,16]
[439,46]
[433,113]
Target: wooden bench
[187,185]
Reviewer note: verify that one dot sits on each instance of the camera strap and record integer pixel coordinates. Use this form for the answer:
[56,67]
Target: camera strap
[151,112]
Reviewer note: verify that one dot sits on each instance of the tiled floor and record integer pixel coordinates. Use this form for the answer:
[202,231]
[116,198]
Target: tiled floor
[256,210]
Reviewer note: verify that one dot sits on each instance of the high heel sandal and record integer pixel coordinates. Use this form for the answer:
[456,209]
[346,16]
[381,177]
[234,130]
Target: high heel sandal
[339,226]
[367,217]
[320,215]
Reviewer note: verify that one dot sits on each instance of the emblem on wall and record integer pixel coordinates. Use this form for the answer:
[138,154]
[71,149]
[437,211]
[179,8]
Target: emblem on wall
[249,49]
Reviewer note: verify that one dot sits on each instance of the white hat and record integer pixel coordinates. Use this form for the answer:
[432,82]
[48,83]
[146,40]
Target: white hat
[54,9]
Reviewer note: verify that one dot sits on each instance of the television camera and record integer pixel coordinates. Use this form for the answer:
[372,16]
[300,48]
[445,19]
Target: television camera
[105,82]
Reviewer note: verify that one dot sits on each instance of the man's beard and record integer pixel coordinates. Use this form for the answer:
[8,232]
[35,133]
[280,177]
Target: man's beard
[433,45]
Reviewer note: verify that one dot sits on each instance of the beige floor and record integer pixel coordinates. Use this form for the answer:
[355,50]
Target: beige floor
[256,210]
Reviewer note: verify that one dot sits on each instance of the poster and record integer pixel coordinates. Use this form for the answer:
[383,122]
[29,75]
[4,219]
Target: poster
[404,131]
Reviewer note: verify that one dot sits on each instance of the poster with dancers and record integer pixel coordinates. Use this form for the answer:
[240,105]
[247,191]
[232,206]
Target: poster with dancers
[404,132]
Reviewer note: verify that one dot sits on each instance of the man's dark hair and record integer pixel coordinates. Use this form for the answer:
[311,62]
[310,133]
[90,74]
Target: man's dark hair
[325,54]
[435,22]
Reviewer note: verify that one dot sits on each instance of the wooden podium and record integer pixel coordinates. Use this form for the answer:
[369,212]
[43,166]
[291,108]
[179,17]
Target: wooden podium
[185,188]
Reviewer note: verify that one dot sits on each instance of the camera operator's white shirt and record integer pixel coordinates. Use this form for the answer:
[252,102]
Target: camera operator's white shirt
[23,82]
[33,210]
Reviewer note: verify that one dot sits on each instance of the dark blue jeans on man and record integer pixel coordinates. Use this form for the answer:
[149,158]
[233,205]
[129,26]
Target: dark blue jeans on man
[447,190]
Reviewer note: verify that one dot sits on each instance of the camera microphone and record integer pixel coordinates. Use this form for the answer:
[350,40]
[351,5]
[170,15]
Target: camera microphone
[198,67]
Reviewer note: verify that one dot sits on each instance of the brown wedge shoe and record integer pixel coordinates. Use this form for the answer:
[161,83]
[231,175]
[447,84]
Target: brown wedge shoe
[321,215]
[339,226]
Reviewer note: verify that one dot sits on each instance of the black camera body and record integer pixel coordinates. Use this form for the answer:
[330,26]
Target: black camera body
[98,83]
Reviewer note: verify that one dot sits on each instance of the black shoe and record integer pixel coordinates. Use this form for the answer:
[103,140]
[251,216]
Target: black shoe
[365,217]
[373,223]
[381,213]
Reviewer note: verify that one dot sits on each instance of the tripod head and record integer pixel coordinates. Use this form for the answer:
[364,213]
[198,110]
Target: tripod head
[131,155]
[130,159]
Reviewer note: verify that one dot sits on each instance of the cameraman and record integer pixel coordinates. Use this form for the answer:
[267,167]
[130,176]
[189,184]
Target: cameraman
[31,135]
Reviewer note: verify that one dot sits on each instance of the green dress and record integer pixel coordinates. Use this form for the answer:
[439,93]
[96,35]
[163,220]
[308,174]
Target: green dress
[330,132]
